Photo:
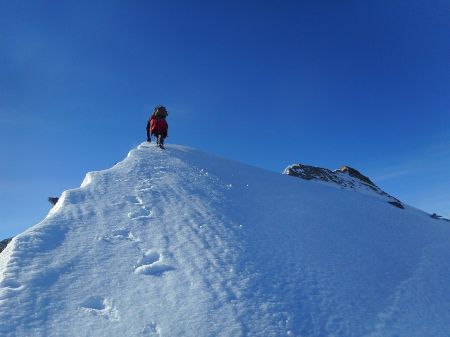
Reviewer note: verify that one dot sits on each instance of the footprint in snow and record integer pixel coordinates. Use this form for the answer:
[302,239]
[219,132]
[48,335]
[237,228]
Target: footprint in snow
[134,200]
[100,306]
[118,234]
[147,189]
[10,284]
[122,233]
[140,213]
[151,330]
[150,264]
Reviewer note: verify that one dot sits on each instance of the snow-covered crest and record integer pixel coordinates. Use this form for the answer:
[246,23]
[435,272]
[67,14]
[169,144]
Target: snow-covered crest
[181,243]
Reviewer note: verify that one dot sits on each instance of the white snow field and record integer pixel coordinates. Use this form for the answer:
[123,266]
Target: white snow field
[182,243]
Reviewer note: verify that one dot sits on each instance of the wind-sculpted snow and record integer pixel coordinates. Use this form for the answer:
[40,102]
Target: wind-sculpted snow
[181,243]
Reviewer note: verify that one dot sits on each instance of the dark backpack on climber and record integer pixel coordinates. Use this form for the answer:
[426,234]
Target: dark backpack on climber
[160,112]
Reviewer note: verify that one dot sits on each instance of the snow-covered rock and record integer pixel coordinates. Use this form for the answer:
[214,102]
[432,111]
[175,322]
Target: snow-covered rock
[345,177]
[181,243]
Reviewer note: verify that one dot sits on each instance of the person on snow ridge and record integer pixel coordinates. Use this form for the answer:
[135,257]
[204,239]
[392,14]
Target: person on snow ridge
[157,125]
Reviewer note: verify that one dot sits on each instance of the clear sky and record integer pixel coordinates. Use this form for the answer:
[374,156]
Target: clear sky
[268,83]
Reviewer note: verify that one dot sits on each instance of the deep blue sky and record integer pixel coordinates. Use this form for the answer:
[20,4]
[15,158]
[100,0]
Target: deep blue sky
[269,83]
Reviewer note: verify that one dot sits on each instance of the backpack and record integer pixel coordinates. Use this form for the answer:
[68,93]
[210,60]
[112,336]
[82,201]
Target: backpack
[160,112]
[158,125]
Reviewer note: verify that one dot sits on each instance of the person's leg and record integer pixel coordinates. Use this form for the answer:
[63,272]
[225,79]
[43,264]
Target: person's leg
[160,141]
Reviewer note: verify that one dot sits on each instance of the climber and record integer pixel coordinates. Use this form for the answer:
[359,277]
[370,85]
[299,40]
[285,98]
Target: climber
[157,125]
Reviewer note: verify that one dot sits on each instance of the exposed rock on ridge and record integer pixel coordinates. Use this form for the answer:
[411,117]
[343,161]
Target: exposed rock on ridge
[439,217]
[4,243]
[345,177]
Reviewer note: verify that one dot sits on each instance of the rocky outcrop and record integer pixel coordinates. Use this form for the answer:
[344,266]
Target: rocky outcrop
[396,204]
[356,174]
[438,217]
[4,243]
[345,177]
[53,200]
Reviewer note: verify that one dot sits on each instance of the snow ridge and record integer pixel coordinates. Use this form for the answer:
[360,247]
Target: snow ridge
[181,243]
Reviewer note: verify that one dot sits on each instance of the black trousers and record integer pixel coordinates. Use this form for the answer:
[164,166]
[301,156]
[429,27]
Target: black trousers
[159,138]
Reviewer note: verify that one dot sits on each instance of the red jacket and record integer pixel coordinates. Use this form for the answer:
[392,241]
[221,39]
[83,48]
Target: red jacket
[158,126]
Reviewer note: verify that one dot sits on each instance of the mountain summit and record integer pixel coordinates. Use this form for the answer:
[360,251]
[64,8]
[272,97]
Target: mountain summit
[182,243]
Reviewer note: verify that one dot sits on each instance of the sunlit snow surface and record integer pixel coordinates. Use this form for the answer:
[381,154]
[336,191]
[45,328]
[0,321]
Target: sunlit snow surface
[181,243]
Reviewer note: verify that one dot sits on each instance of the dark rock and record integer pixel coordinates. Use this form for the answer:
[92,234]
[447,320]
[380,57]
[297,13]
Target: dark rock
[310,172]
[356,174]
[4,243]
[438,217]
[53,200]
[396,204]
[346,177]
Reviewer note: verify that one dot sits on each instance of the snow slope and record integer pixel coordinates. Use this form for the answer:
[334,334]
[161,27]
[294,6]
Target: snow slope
[181,243]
